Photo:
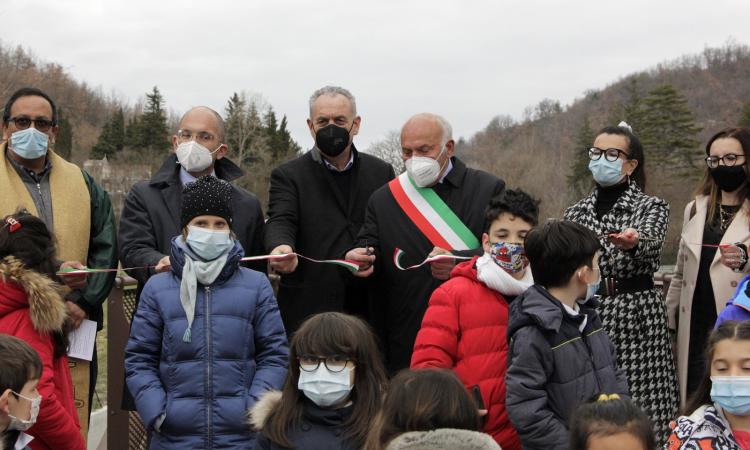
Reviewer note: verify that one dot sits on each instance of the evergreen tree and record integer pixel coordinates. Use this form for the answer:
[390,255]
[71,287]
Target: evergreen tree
[745,116]
[271,126]
[154,131]
[111,139]
[64,139]
[237,132]
[669,129]
[579,178]
[134,133]
[118,130]
[288,145]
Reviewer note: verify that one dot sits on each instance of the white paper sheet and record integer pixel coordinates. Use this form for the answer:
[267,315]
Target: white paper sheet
[82,341]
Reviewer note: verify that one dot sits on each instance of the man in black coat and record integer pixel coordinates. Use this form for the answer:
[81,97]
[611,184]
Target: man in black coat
[316,207]
[404,295]
[151,214]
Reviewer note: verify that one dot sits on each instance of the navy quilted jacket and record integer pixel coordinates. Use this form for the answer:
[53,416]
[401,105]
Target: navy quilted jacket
[204,387]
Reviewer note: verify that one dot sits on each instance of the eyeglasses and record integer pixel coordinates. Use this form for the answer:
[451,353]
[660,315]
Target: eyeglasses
[200,136]
[610,154]
[333,363]
[729,159]
[22,123]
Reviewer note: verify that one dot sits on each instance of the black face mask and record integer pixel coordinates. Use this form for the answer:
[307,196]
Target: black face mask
[332,139]
[729,178]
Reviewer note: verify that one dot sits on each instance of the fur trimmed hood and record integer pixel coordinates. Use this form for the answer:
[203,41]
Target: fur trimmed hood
[444,438]
[258,414]
[21,287]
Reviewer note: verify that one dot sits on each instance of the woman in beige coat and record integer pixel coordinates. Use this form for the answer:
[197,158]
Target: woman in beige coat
[718,219]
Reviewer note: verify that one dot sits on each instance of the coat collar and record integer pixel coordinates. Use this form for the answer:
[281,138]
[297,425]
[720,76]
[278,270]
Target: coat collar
[27,288]
[169,172]
[456,175]
[624,203]
[541,308]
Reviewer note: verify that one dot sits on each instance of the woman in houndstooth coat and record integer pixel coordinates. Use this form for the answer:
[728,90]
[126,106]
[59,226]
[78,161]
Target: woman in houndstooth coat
[632,227]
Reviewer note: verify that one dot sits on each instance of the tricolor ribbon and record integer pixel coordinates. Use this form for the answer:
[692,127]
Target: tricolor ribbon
[398,253]
[350,265]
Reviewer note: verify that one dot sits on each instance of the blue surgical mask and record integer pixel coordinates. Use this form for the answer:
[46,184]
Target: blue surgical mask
[593,288]
[606,173]
[732,394]
[208,244]
[29,143]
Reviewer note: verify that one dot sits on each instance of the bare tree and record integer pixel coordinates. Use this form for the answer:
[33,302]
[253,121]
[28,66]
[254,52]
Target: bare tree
[389,150]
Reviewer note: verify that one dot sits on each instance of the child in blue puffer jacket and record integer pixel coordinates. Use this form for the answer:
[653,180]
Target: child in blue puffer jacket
[207,339]
[738,307]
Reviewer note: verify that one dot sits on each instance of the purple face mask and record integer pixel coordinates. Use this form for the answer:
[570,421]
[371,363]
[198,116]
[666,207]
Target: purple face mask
[510,257]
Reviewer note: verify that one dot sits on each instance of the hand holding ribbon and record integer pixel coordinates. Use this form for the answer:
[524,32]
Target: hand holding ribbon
[398,253]
[364,259]
[288,263]
[627,240]
[74,277]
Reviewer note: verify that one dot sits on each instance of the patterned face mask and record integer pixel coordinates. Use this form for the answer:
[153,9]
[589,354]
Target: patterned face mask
[510,257]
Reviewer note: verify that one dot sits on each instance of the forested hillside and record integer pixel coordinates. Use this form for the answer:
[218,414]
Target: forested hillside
[673,107]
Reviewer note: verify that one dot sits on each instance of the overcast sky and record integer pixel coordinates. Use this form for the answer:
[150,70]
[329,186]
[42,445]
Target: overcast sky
[468,60]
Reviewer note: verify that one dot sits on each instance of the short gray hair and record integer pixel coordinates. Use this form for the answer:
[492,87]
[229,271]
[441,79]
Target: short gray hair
[440,120]
[332,91]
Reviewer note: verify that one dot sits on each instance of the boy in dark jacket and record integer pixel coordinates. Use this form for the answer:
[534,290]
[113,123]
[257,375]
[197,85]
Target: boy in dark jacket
[560,356]
[207,340]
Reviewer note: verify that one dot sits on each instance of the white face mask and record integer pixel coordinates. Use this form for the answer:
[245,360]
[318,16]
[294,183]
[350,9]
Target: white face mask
[424,171]
[195,157]
[23,425]
[323,387]
[208,244]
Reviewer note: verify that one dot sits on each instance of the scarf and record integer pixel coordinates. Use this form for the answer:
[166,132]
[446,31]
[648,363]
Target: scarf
[495,278]
[194,272]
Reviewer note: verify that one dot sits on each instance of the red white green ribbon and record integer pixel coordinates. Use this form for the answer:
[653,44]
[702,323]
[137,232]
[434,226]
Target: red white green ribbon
[431,215]
[398,253]
[350,265]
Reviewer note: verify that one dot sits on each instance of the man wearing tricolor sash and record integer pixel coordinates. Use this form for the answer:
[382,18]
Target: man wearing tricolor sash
[71,204]
[435,207]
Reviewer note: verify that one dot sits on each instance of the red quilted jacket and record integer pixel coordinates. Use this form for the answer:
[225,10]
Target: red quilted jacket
[464,329]
[30,309]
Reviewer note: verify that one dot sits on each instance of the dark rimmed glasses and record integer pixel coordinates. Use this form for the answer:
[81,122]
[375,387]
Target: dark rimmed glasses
[610,154]
[23,123]
[334,364]
[730,159]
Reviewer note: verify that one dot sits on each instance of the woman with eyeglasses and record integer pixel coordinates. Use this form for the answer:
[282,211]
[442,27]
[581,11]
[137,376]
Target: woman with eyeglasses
[713,252]
[631,227]
[332,392]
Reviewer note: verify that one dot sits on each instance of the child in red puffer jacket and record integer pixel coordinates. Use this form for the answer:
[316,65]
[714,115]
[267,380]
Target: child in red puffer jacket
[32,309]
[465,325]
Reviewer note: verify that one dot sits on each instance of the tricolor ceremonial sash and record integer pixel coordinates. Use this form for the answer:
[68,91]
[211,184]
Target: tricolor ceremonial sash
[431,215]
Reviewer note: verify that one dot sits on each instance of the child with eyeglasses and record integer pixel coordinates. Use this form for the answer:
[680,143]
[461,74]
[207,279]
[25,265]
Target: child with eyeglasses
[332,392]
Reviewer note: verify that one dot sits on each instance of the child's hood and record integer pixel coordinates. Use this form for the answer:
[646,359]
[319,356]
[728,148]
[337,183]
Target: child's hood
[536,306]
[258,414]
[24,288]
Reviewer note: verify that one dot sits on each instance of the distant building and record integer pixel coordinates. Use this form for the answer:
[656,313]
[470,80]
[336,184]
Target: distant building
[116,178]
